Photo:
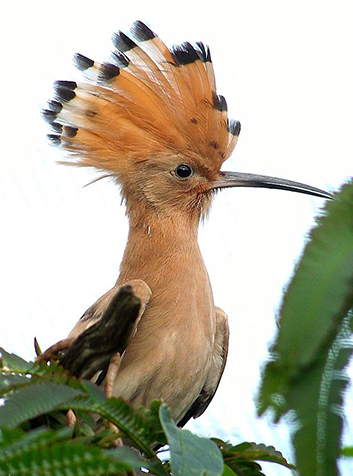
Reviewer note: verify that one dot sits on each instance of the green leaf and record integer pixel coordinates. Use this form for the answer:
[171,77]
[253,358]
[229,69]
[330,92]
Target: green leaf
[318,402]
[317,399]
[14,362]
[139,426]
[131,422]
[347,451]
[96,393]
[8,436]
[15,439]
[127,456]
[312,349]
[190,454]
[321,292]
[33,400]
[37,348]
[48,452]
[242,458]
[152,415]
[227,471]
[256,452]
[8,381]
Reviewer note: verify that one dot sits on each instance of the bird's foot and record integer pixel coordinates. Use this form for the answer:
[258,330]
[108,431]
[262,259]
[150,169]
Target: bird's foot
[112,373]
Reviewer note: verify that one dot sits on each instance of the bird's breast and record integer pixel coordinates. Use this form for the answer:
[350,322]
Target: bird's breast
[171,353]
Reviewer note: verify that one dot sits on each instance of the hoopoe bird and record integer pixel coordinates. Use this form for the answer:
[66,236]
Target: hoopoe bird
[151,119]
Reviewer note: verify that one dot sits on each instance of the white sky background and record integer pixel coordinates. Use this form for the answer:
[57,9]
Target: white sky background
[286,71]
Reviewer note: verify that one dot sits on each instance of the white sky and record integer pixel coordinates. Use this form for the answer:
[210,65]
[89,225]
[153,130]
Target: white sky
[286,71]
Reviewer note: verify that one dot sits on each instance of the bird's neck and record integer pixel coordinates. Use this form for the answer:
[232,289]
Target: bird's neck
[160,244]
[163,251]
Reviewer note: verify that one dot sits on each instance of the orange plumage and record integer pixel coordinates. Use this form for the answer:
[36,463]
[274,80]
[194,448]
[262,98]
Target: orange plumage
[148,102]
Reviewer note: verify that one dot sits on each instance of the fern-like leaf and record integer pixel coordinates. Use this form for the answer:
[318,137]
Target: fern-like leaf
[312,349]
[10,381]
[317,400]
[14,362]
[134,424]
[242,459]
[33,400]
[48,452]
[321,291]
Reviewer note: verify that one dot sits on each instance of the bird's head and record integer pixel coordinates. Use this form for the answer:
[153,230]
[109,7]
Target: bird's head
[152,120]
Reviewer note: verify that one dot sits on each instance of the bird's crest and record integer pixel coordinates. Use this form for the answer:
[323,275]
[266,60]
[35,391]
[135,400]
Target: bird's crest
[148,101]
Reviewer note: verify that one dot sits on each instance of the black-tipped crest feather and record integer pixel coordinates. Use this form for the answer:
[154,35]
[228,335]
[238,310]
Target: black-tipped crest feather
[123,42]
[64,90]
[56,127]
[82,62]
[141,31]
[55,106]
[184,53]
[49,116]
[234,127]
[108,71]
[54,139]
[219,102]
[121,60]
[203,52]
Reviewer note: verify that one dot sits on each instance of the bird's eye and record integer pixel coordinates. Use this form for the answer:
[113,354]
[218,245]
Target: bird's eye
[183,171]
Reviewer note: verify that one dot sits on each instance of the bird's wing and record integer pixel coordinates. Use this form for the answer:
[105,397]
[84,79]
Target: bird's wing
[219,358]
[96,311]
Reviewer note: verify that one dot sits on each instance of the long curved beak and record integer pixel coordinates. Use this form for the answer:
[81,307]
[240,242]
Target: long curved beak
[238,179]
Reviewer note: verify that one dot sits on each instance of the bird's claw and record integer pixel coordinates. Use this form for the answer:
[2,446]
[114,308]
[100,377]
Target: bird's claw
[52,352]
